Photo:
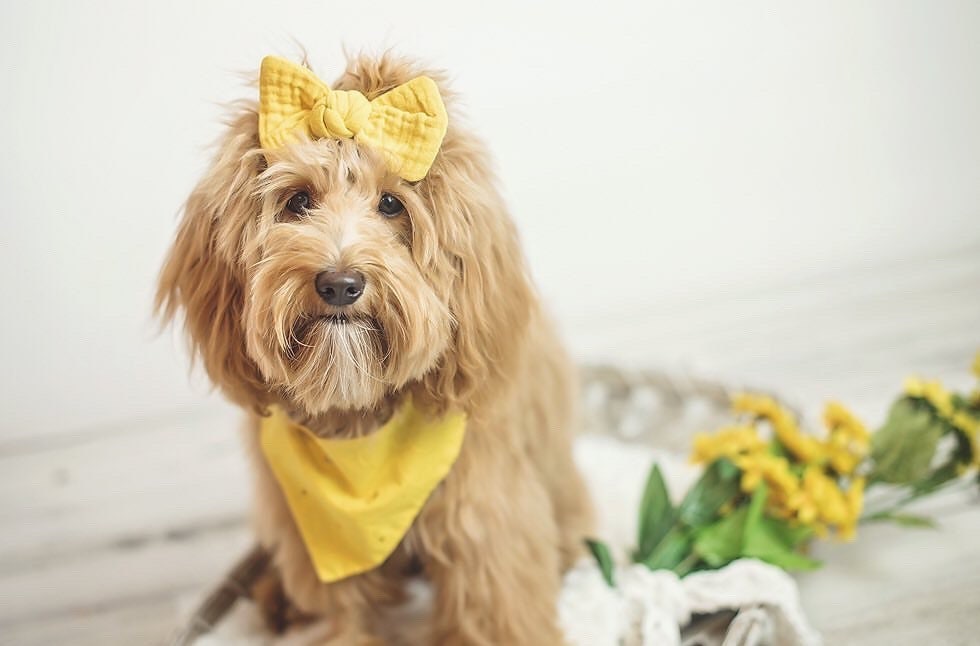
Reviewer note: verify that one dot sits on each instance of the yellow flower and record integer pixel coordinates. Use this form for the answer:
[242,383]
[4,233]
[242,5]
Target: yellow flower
[965,422]
[825,494]
[837,417]
[820,530]
[940,399]
[843,460]
[772,469]
[933,392]
[819,502]
[729,442]
[849,440]
[804,447]
[855,505]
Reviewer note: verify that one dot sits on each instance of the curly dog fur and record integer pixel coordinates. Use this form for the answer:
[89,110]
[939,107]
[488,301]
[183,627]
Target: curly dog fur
[448,316]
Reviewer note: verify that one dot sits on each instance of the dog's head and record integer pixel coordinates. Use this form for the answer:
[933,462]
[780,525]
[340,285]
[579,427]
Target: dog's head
[309,273]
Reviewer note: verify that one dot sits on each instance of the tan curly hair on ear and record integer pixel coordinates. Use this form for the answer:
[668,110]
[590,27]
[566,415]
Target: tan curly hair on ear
[311,278]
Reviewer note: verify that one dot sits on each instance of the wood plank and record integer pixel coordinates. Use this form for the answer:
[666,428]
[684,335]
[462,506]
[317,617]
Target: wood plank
[84,591]
[899,586]
[119,489]
[143,622]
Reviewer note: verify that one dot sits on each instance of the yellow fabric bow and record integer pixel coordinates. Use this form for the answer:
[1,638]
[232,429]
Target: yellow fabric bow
[406,124]
[353,500]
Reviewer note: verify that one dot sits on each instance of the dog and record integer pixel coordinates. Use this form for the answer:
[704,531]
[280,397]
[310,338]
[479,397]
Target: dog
[435,304]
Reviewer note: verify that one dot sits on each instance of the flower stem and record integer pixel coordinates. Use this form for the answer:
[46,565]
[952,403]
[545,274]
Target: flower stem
[685,566]
[883,514]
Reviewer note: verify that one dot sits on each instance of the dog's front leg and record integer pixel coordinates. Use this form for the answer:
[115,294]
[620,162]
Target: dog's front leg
[491,549]
[350,605]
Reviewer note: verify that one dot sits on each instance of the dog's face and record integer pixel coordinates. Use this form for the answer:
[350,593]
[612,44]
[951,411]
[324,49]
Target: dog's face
[312,274]
[338,310]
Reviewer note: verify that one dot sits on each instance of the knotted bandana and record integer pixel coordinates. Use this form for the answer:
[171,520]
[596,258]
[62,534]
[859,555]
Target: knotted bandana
[406,125]
[354,499]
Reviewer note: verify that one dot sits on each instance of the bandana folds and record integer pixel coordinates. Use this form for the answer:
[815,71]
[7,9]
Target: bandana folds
[354,499]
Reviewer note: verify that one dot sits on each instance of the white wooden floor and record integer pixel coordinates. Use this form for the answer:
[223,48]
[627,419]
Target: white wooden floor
[104,532]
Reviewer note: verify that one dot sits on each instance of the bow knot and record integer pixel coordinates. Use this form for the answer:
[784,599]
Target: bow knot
[340,114]
[406,124]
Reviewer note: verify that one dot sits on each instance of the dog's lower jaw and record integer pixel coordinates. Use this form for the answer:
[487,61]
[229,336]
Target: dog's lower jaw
[327,364]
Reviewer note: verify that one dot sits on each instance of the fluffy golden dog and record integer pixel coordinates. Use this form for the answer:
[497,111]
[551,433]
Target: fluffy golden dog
[436,305]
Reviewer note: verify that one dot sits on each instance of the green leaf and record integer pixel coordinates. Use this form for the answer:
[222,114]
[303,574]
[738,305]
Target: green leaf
[776,448]
[716,486]
[936,479]
[748,531]
[905,519]
[757,505]
[674,548]
[600,551]
[960,402]
[772,540]
[963,449]
[721,543]
[691,563]
[791,535]
[656,514]
[902,449]
[768,541]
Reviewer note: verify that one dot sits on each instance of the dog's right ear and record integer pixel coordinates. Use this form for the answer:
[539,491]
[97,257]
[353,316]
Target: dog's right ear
[203,275]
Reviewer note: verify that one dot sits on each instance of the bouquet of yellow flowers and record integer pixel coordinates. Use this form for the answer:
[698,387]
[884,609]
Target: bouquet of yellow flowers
[769,488]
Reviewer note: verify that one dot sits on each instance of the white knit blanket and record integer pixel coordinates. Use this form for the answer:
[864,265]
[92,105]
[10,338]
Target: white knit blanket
[646,608]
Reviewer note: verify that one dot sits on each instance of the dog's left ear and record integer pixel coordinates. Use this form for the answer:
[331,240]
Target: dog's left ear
[490,294]
[203,277]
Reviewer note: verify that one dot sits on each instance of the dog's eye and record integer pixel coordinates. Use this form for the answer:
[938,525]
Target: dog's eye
[390,206]
[299,203]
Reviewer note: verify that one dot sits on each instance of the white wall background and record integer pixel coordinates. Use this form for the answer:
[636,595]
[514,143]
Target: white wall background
[655,155]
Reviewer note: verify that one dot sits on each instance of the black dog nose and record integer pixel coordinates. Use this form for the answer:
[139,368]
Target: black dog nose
[340,287]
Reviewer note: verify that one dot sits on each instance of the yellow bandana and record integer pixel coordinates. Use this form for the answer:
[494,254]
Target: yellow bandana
[354,499]
[406,125]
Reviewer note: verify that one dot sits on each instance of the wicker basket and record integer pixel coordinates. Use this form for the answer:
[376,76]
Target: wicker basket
[634,406]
